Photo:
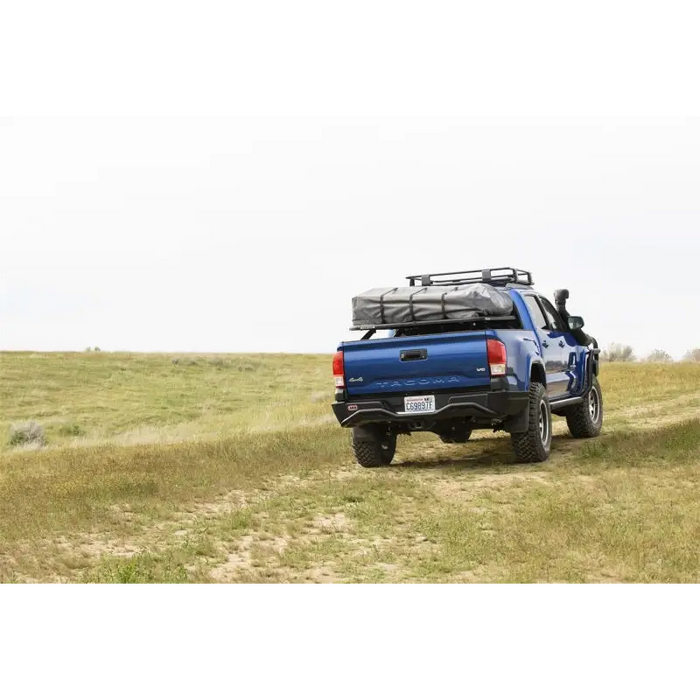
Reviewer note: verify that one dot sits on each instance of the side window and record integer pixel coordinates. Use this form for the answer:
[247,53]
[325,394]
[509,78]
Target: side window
[552,315]
[536,312]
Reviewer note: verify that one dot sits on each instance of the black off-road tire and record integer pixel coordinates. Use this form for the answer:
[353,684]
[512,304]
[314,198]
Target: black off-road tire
[535,444]
[373,449]
[455,436]
[586,419]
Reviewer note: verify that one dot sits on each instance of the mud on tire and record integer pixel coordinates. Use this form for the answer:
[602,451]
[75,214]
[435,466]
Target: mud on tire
[535,444]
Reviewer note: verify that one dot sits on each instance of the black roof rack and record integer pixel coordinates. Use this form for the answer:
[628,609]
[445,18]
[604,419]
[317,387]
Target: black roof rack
[436,322]
[497,276]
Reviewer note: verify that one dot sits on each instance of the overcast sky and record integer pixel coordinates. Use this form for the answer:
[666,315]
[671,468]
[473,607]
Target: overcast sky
[132,219]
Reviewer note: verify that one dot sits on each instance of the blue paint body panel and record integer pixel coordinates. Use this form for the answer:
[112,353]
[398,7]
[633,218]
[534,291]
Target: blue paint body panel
[453,361]
[458,360]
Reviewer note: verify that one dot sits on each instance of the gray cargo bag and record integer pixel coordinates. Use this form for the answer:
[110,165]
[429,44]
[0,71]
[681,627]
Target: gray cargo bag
[385,306]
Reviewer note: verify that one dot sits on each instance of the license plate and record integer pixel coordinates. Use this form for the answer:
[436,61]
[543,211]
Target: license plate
[419,404]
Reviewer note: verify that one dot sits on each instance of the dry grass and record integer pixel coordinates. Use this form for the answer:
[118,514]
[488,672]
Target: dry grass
[200,470]
[94,398]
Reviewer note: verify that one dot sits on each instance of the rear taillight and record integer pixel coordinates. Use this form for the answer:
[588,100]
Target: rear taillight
[339,370]
[497,356]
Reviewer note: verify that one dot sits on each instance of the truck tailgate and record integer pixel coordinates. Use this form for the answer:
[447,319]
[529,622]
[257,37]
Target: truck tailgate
[415,364]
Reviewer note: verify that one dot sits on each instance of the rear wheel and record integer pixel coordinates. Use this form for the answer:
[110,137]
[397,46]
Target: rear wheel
[373,448]
[535,444]
[586,419]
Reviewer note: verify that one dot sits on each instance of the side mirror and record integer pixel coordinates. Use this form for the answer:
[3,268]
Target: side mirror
[575,323]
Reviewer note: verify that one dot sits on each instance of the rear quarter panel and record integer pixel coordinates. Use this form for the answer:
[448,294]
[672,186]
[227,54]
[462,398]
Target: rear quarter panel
[522,353]
[522,345]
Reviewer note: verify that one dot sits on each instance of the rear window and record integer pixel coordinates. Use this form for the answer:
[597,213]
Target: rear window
[536,312]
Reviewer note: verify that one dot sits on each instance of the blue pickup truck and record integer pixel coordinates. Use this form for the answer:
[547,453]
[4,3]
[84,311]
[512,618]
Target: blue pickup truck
[450,376]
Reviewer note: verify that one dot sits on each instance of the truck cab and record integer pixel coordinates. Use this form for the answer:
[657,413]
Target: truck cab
[453,374]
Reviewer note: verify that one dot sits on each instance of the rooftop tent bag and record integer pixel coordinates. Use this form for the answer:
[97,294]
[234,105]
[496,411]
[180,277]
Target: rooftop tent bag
[404,305]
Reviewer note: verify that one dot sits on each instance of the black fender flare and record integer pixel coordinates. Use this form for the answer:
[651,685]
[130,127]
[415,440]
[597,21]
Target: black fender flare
[537,365]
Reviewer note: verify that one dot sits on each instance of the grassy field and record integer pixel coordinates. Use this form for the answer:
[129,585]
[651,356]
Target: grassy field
[231,468]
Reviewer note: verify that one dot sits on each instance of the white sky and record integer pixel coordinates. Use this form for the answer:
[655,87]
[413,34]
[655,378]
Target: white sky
[131,218]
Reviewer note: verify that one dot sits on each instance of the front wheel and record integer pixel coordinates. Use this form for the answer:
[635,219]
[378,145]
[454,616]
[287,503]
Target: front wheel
[586,419]
[373,448]
[535,444]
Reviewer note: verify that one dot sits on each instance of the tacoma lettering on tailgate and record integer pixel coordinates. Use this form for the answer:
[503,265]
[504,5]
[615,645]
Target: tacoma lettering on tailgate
[403,383]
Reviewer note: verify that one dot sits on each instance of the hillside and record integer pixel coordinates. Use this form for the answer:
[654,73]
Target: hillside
[231,468]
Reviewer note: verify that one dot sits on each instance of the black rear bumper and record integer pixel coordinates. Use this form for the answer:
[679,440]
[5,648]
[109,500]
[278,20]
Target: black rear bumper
[484,408]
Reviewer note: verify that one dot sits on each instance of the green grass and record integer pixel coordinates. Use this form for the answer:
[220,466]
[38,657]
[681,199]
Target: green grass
[229,468]
[131,398]
[639,384]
